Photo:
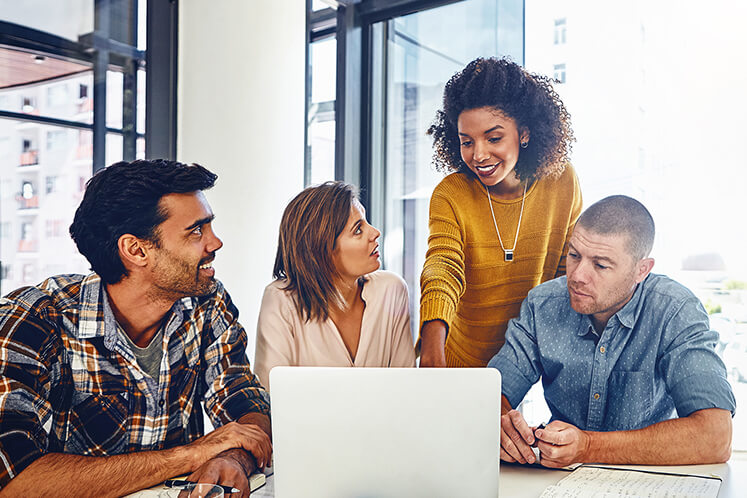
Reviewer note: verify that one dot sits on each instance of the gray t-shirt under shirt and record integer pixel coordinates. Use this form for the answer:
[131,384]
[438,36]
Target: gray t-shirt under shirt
[149,357]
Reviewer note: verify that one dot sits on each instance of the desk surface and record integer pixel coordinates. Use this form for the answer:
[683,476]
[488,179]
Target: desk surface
[520,481]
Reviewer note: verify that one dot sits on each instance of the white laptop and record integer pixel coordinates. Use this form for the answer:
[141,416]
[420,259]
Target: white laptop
[385,432]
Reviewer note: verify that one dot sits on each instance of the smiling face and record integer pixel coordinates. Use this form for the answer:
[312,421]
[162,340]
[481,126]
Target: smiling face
[601,273]
[489,145]
[356,251]
[183,259]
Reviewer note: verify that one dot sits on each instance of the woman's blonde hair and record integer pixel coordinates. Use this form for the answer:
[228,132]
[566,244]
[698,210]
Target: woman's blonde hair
[311,223]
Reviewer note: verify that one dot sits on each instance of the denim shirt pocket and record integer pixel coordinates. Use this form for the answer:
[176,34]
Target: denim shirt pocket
[629,400]
[97,424]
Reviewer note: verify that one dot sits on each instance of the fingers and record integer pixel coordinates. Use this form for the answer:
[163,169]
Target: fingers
[506,457]
[554,464]
[258,443]
[254,440]
[509,449]
[225,471]
[235,435]
[521,426]
[556,435]
[512,441]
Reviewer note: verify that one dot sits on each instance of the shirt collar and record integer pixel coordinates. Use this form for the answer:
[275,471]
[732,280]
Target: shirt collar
[91,314]
[96,317]
[627,315]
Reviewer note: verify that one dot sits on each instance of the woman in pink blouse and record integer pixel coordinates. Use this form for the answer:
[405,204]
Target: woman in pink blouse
[329,304]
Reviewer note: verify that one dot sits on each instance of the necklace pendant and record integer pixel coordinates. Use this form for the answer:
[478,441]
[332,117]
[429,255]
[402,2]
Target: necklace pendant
[508,255]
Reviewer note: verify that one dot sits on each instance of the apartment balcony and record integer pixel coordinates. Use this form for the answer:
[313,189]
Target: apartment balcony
[28,246]
[29,158]
[27,202]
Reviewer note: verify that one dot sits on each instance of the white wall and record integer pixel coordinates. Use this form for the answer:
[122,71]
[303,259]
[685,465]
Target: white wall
[241,115]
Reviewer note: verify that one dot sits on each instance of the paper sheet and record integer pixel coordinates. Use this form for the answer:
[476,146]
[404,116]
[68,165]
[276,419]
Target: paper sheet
[591,482]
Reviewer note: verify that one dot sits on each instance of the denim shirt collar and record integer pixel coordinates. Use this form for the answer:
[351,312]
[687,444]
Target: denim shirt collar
[627,315]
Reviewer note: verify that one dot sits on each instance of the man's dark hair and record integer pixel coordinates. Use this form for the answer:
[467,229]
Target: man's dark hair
[125,198]
[622,215]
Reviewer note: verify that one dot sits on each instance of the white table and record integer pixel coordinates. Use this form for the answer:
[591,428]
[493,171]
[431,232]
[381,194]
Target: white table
[528,482]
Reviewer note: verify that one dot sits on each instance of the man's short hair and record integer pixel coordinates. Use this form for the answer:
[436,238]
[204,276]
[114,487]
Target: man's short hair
[622,215]
[125,199]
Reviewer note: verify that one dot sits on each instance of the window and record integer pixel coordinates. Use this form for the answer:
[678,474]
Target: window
[53,144]
[559,38]
[558,73]
[56,139]
[423,50]
[641,115]
[321,112]
[642,118]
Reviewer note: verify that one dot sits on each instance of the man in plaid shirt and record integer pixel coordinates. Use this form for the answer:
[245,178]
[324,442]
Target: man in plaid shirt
[102,376]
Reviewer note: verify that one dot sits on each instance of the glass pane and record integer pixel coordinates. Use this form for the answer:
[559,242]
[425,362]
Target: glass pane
[321,132]
[140,148]
[323,70]
[141,101]
[142,17]
[322,143]
[320,5]
[424,50]
[64,18]
[43,170]
[659,115]
[114,91]
[40,85]
[114,148]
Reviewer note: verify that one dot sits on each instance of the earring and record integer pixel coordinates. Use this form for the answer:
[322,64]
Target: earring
[524,144]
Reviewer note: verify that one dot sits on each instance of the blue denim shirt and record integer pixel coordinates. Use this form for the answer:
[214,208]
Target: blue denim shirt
[654,360]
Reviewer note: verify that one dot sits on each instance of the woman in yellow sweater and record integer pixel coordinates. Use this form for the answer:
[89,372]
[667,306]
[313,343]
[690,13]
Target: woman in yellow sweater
[499,223]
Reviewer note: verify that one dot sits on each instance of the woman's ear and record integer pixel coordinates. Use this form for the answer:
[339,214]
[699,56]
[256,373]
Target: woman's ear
[524,135]
[133,251]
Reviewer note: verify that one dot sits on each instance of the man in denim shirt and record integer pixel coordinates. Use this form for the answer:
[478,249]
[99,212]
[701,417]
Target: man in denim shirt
[621,352]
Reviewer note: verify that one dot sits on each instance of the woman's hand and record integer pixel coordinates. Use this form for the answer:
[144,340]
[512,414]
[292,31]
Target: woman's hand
[432,343]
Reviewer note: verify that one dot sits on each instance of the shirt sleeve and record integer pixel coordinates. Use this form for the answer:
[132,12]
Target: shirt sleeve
[275,345]
[403,349]
[518,361]
[27,363]
[232,389]
[694,374]
[575,213]
[442,281]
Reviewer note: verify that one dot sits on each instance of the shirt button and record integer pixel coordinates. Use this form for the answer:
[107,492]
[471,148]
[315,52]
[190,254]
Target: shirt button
[160,402]
[596,395]
[602,350]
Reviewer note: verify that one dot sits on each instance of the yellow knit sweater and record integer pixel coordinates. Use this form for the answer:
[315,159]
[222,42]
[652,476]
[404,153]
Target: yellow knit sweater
[465,280]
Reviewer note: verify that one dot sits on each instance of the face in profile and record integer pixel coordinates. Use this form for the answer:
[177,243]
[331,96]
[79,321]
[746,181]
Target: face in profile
[183,260]
[489,143]
[356,251]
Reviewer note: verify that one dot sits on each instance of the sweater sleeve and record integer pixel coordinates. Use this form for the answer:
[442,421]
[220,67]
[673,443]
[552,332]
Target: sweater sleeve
[442,281]
[575,212]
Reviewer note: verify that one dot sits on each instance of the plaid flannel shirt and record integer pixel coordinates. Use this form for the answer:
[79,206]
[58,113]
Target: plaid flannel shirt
[69,383]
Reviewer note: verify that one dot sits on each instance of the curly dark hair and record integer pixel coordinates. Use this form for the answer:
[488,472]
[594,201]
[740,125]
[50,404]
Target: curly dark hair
[125,198]
[529,99]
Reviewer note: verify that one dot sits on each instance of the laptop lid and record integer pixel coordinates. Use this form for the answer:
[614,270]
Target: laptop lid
[385,432]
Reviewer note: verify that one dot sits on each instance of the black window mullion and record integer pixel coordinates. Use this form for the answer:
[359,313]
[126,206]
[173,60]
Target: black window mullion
[129,112]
